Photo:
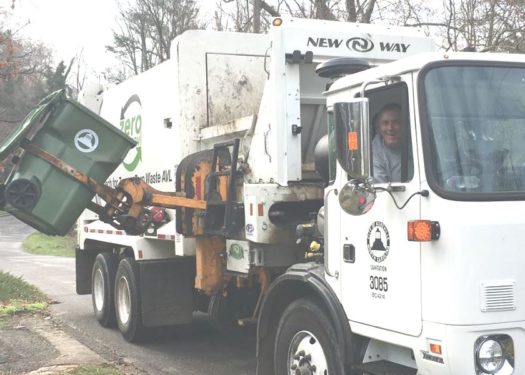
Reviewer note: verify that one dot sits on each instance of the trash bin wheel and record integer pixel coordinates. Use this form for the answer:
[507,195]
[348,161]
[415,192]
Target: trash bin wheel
[22,194]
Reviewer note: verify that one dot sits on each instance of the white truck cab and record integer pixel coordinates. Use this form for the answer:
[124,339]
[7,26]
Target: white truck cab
[434,282]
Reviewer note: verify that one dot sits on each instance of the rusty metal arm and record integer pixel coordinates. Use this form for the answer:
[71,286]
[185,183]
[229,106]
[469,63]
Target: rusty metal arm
[126,204]
[142,192]
[105,192]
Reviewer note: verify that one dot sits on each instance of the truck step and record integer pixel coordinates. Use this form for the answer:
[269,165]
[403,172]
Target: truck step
[385,368]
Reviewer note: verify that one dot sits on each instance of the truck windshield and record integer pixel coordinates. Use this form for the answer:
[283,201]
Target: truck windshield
[475,127]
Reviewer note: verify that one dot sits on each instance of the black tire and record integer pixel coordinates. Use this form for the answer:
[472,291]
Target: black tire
[102,288]
[305,332]
[127,300]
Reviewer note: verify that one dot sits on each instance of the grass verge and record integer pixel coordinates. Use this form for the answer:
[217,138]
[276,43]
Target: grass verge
[41,244]
[88,370]
[16,295]
[3,213]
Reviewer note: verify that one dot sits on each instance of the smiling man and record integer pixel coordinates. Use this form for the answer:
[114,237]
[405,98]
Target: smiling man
[386,145]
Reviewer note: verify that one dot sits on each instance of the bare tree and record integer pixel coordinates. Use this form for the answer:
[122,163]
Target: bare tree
[146,29]
[245,15]
[360,10]
[484,25]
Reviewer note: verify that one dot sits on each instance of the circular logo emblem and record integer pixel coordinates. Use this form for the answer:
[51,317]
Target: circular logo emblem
[359,44]
[236,251]
[86,140]
[378,241]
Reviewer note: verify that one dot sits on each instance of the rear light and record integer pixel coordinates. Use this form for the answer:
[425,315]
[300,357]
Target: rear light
[423,230]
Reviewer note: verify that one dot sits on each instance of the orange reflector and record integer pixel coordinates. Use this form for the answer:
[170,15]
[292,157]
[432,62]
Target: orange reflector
[423,230]
[277,21]
[436,349]
[353,145]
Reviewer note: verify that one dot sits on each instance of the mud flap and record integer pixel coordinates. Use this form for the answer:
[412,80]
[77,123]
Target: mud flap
[166,289]
[84,260]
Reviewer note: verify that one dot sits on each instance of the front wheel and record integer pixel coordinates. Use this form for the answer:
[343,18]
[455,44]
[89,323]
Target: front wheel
[127,300]
[306,342]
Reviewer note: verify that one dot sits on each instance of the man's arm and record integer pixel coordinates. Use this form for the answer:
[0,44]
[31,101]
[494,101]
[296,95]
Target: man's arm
[379,164]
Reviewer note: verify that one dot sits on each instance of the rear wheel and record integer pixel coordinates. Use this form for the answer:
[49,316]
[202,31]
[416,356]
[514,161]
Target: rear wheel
[127,300]
[306,343]
[102,286]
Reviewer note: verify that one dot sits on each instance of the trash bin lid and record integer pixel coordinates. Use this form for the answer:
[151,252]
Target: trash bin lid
[12,141]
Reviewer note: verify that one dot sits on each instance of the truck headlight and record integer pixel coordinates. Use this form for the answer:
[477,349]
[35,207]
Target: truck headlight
[493,353]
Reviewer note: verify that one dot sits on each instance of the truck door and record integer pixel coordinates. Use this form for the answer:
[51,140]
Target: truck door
[380,284]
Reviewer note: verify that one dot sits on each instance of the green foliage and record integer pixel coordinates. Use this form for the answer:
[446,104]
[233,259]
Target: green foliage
[21,306]
[41,244]
[16,295]
[91,369]
[27,75]
[56,79]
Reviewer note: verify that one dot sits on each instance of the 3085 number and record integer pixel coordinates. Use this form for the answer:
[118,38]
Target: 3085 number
[379,283]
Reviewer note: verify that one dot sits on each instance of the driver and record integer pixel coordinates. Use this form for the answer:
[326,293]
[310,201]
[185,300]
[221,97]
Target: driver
[386,145]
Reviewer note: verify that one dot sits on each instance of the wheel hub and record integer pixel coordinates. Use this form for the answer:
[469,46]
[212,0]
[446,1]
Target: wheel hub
[123,301]
[98,289]
[306,355]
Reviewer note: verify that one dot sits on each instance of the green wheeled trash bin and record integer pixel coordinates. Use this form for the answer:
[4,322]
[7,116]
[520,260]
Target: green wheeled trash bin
[38,193]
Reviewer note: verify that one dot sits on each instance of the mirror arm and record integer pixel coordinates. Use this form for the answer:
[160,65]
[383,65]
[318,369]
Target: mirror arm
[396,188]
[367,83]
[385,79]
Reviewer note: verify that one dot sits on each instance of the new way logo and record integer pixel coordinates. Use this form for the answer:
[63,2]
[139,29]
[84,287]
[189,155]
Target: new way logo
[357,44]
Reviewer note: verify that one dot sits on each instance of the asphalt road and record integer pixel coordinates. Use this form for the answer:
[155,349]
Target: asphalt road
[195,349]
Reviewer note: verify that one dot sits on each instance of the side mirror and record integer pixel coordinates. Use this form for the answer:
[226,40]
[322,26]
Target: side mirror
[356,198]
[353,137]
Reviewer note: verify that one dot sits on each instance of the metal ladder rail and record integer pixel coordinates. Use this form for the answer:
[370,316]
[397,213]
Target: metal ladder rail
[227,226]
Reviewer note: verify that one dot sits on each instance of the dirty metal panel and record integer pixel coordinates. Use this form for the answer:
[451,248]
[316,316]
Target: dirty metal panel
[235,85]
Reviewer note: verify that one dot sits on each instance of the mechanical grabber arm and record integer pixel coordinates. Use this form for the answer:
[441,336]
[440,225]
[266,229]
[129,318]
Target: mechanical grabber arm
[125,205]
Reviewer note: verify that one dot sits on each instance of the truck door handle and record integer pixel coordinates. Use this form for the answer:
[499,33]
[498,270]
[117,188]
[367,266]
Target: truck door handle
[326,251]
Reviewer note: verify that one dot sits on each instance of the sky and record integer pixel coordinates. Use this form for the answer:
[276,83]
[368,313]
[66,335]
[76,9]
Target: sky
[67,26]
[71,26]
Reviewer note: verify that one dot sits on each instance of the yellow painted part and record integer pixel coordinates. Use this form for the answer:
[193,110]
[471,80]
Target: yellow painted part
[209,264]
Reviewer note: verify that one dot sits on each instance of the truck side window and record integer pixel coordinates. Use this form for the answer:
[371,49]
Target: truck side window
[391,149]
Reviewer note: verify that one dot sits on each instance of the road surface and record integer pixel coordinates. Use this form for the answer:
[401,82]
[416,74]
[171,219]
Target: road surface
[195,349]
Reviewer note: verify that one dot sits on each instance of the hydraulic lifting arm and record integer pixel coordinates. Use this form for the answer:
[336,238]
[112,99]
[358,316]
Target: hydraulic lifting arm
[126,204]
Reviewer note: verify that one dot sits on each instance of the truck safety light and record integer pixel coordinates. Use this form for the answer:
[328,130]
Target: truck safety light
[436,349]
[423,230]
[353,144]
[277,21]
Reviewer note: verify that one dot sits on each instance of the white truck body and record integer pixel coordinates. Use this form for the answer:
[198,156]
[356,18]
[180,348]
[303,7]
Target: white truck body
[413,307]
[219,86]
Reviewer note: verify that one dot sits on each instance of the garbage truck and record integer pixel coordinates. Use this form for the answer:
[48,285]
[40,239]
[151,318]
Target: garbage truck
[247,188]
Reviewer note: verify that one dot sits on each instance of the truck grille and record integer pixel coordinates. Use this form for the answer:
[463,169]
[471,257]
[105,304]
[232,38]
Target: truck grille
[498,296]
